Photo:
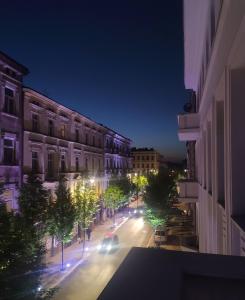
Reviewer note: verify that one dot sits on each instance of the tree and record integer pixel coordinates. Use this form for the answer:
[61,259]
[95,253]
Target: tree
[62,216]
[113,195]
[124,184]
[159,197]
[154,219]
[34,203]
[140,182]
[86,205]
[21,257]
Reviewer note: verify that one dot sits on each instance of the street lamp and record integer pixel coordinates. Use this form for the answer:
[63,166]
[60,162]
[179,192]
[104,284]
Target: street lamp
[91,180]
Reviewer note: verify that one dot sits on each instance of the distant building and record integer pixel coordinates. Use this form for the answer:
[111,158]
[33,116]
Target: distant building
[11,111]
[214,39]
[146,160]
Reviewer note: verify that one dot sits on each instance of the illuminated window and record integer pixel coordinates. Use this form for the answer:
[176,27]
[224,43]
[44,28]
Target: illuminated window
[9,104]
[8,151]
[35,123]
[34,162]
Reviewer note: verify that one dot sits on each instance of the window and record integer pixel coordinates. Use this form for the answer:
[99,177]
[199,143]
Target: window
[93,140]
[35,122]
[143,158]
[86,139]
[9,104]
[62,163]
[143,165]
[77,135]
[86,163]
[152,165]
[50,164]
[99,142]
[34,162]
[77,164]
[63,131]
[50,128]
[99,164]
[152,158]
[92,164]
[133,165]
[8,155]
[147,157]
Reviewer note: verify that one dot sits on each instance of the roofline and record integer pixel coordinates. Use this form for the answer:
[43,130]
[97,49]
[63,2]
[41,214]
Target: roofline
[26,89]
[17,65]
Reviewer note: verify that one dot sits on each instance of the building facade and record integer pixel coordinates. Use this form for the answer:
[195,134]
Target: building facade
[42,137]
[146,160]
[214,42]
[11,112]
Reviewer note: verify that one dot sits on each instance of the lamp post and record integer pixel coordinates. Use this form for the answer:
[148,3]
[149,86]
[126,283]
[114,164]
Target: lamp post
[137,187]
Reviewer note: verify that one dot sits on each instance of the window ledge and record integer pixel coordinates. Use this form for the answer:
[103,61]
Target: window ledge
[9,115]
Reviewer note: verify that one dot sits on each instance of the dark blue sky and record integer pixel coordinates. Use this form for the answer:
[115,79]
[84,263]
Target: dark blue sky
[118,62]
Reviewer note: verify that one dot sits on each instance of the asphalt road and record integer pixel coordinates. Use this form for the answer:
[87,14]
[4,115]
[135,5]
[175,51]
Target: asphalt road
[90,278]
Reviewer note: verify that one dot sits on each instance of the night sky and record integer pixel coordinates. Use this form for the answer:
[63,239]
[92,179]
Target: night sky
[117,62]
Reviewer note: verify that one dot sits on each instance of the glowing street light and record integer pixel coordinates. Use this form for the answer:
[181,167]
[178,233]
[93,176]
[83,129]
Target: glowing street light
[92,180]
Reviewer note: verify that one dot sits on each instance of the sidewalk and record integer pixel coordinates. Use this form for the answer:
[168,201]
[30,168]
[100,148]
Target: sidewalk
[73,255]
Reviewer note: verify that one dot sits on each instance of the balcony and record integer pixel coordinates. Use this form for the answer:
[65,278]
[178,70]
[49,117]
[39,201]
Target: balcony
[188,127]
[188,191]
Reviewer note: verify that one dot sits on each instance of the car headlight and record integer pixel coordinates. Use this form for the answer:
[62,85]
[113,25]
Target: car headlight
[108,248]
[99,247]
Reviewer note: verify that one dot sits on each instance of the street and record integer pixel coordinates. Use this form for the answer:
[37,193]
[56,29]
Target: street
[89,279]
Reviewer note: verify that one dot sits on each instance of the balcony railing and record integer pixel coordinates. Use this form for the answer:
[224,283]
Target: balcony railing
[189,126]
[188,191]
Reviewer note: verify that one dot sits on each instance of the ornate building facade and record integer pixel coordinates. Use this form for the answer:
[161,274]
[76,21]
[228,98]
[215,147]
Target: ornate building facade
[41,136]
[11,138]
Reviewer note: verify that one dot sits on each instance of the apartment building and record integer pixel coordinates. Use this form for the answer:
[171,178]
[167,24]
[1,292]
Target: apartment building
[11,103]
[214,42]
[41,136]
[117,153]
[146,160]
[61,142]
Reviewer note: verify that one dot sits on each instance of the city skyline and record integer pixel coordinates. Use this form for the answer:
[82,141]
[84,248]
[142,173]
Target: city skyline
[114,64]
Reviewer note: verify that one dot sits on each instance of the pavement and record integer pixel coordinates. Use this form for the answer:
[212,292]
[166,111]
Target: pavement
[74,255]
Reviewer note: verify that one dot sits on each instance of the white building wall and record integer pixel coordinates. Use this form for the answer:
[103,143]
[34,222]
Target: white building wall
[217,75]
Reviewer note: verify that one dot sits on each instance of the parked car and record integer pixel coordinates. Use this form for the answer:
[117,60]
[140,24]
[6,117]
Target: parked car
[109,243]
[160,237]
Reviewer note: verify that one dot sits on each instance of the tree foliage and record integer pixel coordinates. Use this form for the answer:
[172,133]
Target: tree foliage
[21,252]
[140,182]
[34,203]
[159,197]
[62,213]
[113,196]
[86,204]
